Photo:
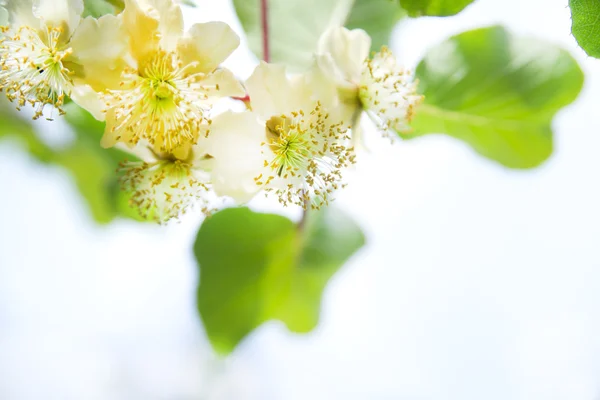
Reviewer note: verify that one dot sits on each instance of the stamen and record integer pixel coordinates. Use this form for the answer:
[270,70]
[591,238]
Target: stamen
[32,70]
[388,93]
[310,154]
[165,189]
[162,102]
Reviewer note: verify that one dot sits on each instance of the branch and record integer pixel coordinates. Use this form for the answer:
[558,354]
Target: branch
[264,19]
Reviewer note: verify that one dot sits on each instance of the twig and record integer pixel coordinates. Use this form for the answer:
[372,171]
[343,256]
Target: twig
[264,19]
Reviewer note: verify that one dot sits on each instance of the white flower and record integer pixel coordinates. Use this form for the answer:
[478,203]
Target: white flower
[164,189]
[164,95]
[385,90]
[45,50]
[290,144]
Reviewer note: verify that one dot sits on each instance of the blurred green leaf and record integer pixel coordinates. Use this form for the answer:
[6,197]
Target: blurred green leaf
[496,92]
[189,3]
[294,27]
[18,129]
[257,267]
[377,17]
[97,8]
[439,8]
[585,17]
[92,167]
[95,168]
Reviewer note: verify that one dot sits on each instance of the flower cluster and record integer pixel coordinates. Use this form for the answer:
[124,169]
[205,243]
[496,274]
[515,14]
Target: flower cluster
[154,84]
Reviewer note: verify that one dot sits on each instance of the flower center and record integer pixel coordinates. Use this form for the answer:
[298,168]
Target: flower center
[308,152]
[160,102]
[32,69]
[165,189]
[388,92]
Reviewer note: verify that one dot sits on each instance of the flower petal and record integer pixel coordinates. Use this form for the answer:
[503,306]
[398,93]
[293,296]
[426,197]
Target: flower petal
[98,46]
[208,44]
[59,12]
[235,143]
[3,16]
[222,83]
[143,29]
[21,13]
[88,98]
[170,19]
[270,90]
[347,52]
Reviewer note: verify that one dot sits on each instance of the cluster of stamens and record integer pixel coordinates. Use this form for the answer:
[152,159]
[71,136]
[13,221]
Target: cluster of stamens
[164,189]
[310,153]
[388,92]
[161,102]
[32,68]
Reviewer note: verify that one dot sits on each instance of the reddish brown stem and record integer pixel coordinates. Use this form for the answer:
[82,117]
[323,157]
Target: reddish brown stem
[264,19]
[245,99]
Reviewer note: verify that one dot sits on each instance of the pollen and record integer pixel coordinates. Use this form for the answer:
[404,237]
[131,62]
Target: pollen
[310,152]
[33,70]
[162,102]
[388,93]
[164,190]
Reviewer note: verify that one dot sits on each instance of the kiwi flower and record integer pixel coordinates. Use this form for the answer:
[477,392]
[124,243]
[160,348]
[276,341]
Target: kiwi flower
[46,48]
[164,94]
[378,85]
[291,144]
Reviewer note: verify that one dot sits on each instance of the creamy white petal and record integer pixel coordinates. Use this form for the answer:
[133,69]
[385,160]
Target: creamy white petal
[3,16]
[208,44]
[100,47]
[142,27]
[58,12]
[348,51]
[271,92]
[87,98]
[171,21]
[236,143]
[21,13]
[222,83]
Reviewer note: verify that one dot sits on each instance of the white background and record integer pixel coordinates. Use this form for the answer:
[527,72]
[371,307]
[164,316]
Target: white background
[477,282]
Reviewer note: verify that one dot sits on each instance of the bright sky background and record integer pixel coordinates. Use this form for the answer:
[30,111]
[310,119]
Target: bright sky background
[477,282]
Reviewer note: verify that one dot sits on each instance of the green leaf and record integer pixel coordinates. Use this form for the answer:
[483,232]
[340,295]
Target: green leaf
[189,3]
[294,27]
[257,267]
[12,127]
[438,8]
[496,92]
[93,168]
[97,8]
[377,17]
[585,16]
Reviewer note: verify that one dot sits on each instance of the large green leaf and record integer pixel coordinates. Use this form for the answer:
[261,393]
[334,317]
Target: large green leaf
[377,17]
[257,267]
[93,168]
[496,92]
[294,27]
[585,17]
[439,8]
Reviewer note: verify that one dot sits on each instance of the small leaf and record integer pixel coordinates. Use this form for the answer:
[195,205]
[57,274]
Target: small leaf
[585,16]
[97,8]
[496,92]
[294,27]
[438,8]
[257,267]
[189,3]
[377,18]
